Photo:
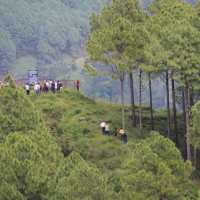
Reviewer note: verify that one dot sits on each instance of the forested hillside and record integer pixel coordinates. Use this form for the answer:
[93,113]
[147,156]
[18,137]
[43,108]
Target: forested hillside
[44,29]
[52,147]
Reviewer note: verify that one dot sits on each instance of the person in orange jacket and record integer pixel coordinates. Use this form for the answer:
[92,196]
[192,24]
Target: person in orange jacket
[121,131]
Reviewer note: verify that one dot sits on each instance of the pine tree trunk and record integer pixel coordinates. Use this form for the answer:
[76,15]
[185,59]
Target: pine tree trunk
[151,104]
[140,103]
[174,113]
[132,100]
[168,107]
[122,101]
[191,97]
[187,114]
[184,124]
[195,162]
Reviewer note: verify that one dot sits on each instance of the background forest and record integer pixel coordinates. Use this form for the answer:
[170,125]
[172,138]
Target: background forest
[50,36]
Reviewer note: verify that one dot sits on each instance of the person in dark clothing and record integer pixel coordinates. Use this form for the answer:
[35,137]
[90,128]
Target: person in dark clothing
[115,132]
[125,138]
[53,87]
[58,86]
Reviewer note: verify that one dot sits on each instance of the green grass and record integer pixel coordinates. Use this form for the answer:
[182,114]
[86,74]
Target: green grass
[72,113]
[74,120]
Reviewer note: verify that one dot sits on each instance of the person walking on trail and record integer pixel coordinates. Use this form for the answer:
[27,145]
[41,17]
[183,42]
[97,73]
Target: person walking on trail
[125,138]
[115,132]
[77,85]
[121,133]
[27,89]
[107,130]
[102,125]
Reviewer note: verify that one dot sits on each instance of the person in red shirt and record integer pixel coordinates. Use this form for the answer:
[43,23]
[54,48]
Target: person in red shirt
[77,85]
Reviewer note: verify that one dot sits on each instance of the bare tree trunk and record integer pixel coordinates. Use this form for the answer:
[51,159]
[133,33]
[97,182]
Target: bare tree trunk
[122,101]
[187,114]
[184,125]
[132,99]
[140,103]
[195,162]
[168,107]
[174,113]
[151,104]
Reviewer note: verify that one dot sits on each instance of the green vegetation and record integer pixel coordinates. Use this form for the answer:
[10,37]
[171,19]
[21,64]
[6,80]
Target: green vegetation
[62,153]
[51,145]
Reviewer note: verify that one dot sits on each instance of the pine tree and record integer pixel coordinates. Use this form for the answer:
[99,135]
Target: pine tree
[194,135]
[179,42]
[157,171]
[82,181]
[108,43]
[30,158]
[17,113]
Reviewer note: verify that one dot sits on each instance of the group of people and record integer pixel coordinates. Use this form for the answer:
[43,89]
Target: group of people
[105,131]
[2,83]
[48,86]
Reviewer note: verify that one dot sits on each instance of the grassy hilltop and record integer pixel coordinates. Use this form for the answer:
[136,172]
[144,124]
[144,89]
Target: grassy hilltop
[75,120]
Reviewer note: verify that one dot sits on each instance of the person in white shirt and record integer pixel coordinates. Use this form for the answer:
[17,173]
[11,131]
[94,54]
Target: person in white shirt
[102,125]
[36,88]
[107,130]
[27,89]
[56,85]
[47,85]
[50,82]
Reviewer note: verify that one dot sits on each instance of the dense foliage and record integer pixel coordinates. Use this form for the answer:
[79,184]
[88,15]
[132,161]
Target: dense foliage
[43,29]
[47,35]
[32,165]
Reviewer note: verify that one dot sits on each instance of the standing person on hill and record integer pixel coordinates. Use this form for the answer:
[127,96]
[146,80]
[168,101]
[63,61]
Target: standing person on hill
[58,86]
[39,88]
[47,84]
[61,85]
[121,133]
[125,138]
[107,130]
[36,89]
[44,87]
[50,82]
[115,132]
[53,87]
[27,89]
[77,85]
[102,125]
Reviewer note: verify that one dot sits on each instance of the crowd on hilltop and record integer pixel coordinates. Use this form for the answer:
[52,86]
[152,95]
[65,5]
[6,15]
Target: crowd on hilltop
[2,83]
[106,132]
[50,86]
[47,86]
